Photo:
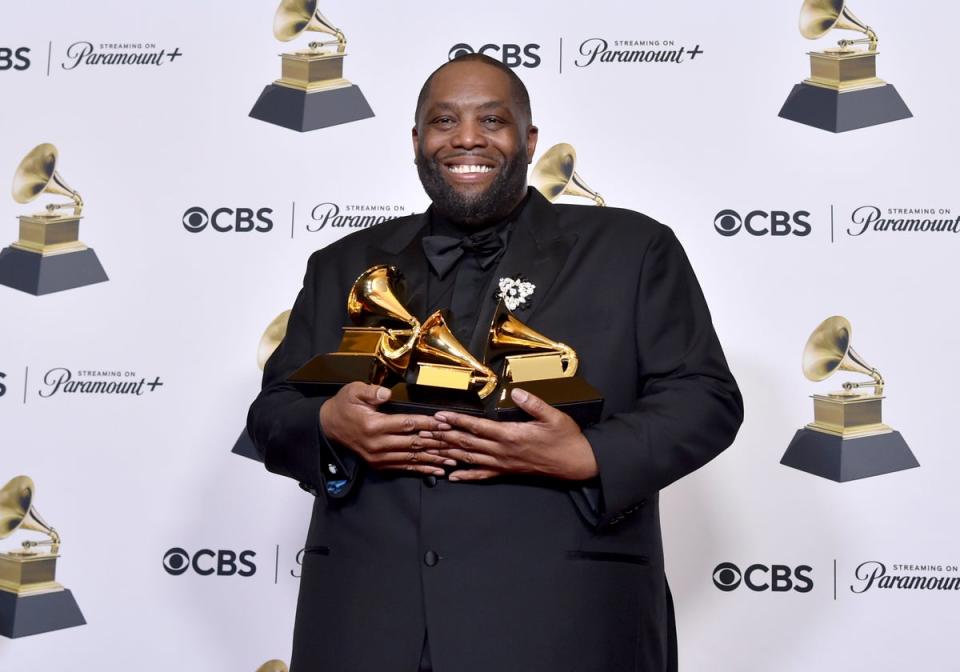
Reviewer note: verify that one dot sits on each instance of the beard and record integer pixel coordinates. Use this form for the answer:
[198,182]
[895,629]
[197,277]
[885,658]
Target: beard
[475,210]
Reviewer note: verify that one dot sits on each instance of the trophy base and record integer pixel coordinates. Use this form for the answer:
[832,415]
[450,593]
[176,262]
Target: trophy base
[244,447]
[848,459]
[326,374]
[39,274]
[300,110]
[23,615]
[427,400]
[839,111]
[574,396]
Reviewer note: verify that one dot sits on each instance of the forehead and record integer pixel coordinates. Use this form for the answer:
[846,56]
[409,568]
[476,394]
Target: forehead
[469,83]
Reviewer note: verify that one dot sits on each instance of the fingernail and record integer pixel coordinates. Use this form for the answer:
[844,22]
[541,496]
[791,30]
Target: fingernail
[454,478]
[425,434]
[438,472]
[383,393]
[518,395]
[450,463]
[440,417]
[444,427]
[431,451]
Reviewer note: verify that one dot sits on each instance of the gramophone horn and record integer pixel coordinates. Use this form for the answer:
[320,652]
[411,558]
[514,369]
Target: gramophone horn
[273,666]
[828,350]
[373,299]
[554,175]
[509,336]
[270,341]
[819,17]
[297,16]
[17,510]
[437,345]
[37,174]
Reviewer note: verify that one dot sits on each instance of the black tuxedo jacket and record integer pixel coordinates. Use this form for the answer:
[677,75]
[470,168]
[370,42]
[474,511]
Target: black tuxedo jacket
[514,573]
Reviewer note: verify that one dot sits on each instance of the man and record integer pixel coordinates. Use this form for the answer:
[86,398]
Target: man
[460,544]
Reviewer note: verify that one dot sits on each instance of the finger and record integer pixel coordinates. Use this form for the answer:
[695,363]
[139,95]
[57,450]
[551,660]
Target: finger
[534,405]
[405,424]
[374,395]
[479,426]
[406,443]
[412,468]
[412,457]
[472,474]
[467,457]
[469,442]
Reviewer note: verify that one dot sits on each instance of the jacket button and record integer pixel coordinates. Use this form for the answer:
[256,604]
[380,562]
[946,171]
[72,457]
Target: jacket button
[430,480]
[430,558]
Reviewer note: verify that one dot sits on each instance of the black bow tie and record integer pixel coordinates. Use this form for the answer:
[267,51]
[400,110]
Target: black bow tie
[443,252]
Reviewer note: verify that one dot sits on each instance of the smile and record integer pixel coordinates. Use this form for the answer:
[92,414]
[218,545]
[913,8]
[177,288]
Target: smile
[462,170]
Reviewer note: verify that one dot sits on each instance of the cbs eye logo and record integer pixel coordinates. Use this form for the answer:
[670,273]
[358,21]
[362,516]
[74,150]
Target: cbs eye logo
[761,223]
[511,55]
[760,578]
[205,562]
[240,220]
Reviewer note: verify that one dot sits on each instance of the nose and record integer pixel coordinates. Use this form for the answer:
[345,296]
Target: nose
[469,135]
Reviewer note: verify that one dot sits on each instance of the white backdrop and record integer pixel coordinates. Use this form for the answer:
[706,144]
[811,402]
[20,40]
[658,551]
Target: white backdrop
[126,478]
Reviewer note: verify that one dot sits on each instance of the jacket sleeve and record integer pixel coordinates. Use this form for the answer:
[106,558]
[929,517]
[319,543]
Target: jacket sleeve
[688,406]
[283,422]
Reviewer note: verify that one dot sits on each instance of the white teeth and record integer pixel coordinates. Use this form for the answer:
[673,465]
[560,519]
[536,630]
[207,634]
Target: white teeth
[470,169]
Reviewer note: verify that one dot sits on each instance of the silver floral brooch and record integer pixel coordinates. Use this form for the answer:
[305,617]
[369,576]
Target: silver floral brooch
[515,292]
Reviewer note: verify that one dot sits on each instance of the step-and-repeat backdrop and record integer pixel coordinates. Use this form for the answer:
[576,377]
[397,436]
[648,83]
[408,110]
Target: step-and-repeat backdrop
[130,326]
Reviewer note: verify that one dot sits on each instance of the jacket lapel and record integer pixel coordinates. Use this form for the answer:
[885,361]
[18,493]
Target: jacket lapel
[537,250]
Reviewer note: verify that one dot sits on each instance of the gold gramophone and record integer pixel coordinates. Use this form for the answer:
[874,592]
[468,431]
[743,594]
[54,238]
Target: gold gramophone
[843,91]
[379,343]
[442,374]
[847,439]
[554,175]
[31,600]
[311,92]
[48,256]
[273,666]
[539,365]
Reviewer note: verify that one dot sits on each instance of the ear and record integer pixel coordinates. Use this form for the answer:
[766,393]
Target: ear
[416,138]
[532,134]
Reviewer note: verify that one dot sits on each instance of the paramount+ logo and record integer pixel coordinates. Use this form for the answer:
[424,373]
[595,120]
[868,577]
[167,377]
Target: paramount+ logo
[223,220]
[14,58]
[761,578]
[208,562]
[763,223]
[511,55]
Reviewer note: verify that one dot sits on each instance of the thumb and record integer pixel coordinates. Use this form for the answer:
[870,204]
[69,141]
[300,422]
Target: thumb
[534,405]
[373,395]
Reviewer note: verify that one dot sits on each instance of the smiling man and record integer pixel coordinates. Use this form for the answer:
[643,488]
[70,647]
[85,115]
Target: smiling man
[459,544]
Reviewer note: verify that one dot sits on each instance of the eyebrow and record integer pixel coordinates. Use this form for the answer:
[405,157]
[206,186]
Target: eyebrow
[493,104]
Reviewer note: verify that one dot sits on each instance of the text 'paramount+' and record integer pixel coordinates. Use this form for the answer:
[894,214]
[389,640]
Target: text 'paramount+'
[61,380]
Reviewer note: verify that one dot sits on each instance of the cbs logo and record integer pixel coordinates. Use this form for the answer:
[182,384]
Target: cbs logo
[241,220]
[205,562]
[511,55]
[3,388]
[762,223]
[14,58]
[759,578]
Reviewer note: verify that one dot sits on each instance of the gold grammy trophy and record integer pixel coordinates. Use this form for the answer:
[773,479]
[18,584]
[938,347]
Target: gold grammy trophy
[847,439]
[539,365]
[311,92]
[31,600]
[843,91]
[48,256]
[269,341]
[554,175]
[442,374]
[376,347]
[273,666]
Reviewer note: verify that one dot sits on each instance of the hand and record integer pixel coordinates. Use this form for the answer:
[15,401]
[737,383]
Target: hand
[549,445]
[384,441]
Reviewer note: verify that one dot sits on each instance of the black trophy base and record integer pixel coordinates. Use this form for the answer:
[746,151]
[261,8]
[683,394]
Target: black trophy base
[837,111]
[244,447]
[427,400]
[324,375]
[574,396]
[301,111]
[32,614]
[36,274]
[842,460]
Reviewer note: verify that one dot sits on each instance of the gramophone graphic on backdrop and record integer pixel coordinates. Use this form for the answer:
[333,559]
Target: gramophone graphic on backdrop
[311,92]
[31,600]
[428,369]
[554,175]
[847,439]
[48,256]
[269,341]
[843,91]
